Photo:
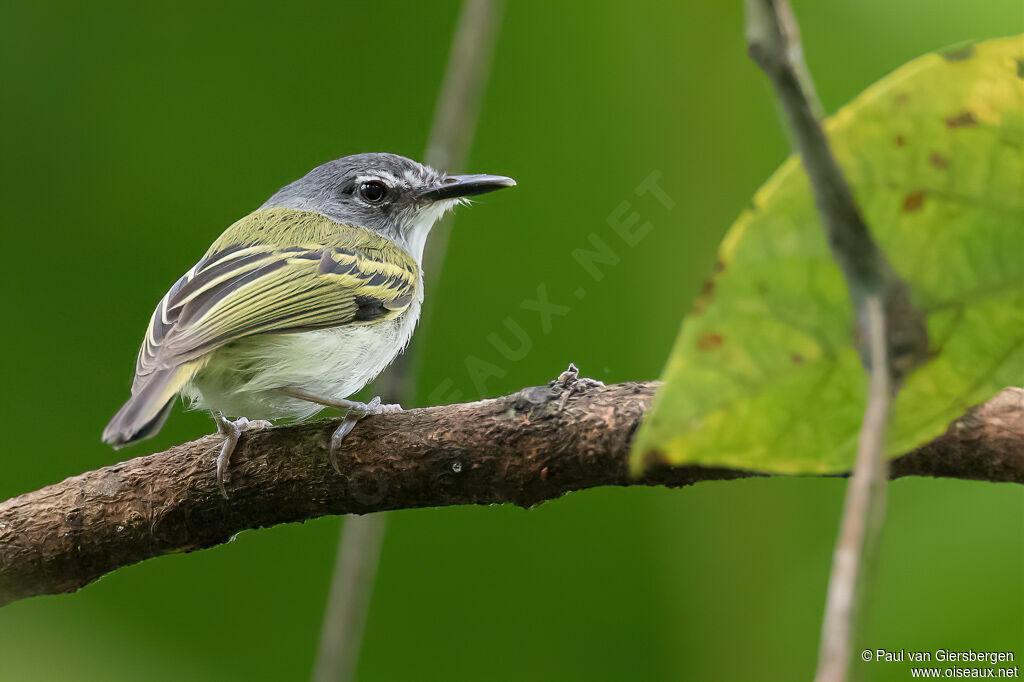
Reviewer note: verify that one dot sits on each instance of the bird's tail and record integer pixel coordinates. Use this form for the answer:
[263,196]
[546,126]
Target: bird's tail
[146,411]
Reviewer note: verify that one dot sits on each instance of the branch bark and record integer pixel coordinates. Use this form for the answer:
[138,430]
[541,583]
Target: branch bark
[522,448]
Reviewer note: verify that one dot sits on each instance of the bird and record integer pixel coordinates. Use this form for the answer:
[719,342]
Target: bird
[298,305]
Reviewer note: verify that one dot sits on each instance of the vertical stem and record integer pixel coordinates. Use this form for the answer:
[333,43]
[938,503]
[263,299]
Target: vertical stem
[863,511]
[894,338]
[355,568]
[458,103]
[451,136]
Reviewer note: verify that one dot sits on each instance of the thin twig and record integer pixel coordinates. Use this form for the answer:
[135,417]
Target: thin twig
[892,334]
[771,36]
[863,512]
[458,104]
[455,117]
[341,635]
[451,137]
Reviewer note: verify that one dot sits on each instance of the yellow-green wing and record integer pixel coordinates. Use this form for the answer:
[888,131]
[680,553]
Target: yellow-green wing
[314,274]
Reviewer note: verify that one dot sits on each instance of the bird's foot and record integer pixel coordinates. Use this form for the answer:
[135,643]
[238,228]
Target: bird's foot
[353,413]
[232,431]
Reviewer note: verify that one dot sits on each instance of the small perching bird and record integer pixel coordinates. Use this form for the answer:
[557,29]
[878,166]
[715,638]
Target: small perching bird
[298,305]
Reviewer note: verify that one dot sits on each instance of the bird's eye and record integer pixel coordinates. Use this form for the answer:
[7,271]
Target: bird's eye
[373,190]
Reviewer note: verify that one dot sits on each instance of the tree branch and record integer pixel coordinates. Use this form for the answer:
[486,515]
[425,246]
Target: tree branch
[522,448]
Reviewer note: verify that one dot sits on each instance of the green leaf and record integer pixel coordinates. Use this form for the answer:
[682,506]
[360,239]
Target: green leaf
[764,374]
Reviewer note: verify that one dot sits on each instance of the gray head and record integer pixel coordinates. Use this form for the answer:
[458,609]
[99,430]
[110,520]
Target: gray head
[386,193]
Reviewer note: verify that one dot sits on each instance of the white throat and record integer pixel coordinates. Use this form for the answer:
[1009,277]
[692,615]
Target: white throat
[416,236]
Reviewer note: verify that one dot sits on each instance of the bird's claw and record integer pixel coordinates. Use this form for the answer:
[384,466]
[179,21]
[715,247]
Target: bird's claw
[352,416]
[232,431]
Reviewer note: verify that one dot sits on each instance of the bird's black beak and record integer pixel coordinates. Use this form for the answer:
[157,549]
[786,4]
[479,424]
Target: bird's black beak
[456,186]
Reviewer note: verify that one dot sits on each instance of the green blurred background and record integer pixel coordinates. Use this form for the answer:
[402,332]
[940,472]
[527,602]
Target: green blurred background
[132,134]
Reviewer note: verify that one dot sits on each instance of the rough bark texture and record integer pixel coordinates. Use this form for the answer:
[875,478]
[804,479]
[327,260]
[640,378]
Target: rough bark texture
[531,446]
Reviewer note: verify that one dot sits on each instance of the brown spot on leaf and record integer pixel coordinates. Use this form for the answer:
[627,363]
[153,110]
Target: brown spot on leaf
[901,99]
[900,141]
[709,341]
[938,160]
[797,359]
[965,119]
[913,201]
[707,290]
[959,53]
[719,266]
[1020,67]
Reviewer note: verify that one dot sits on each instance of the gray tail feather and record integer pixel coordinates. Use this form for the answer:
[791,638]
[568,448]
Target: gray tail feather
[145,412]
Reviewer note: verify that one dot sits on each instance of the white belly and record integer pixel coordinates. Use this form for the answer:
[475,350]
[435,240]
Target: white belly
[243,379]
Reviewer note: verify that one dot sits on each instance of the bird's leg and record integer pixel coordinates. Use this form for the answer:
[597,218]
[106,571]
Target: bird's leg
[354,411]
[231,430]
